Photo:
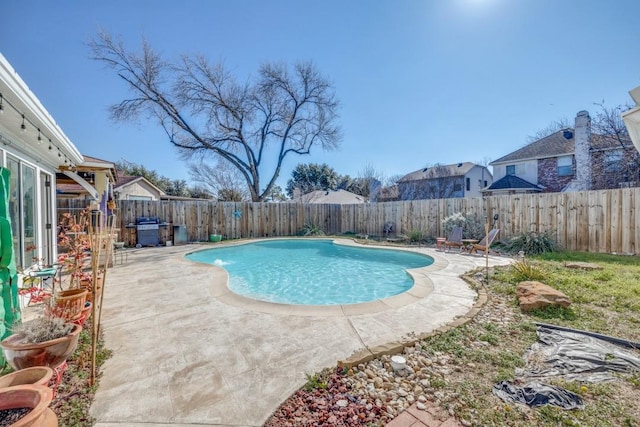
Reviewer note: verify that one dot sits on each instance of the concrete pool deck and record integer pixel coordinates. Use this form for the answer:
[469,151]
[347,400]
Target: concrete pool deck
[188,352]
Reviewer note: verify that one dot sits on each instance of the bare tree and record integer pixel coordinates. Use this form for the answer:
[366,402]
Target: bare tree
[608,123]
[435,182]
[554,126]
[392,180]
[221,180]
[370,180]
[207,113]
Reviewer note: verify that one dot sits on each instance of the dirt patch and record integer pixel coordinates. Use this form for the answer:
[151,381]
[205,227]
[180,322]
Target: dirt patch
[457,370]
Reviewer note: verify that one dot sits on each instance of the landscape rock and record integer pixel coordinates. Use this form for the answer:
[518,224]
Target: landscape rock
[532,295]
[583,265]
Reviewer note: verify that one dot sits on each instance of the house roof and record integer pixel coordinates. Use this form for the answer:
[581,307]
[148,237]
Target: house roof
[125,180]
[389,193]
[512,182]
[560,143]
[69,188]
[607,142]
[89,165]
[342,197]
[22,107]
[456,169]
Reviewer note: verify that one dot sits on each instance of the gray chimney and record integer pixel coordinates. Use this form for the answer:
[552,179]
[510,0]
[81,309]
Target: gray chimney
[582,150]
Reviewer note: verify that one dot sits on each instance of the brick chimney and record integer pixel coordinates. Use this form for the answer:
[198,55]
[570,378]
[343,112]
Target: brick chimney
[582,150]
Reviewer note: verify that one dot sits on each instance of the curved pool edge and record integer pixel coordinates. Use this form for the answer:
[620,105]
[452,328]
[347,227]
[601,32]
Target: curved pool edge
[422,287]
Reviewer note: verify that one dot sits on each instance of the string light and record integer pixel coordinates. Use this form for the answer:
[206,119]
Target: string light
[23,127]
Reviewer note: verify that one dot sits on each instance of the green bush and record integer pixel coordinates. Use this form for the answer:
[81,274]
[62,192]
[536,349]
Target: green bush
[311,230]
[472,225]
[523,270]
[417,236]
[532,243]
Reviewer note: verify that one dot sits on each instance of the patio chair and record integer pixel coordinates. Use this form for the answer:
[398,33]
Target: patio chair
[454,239]
[484,244]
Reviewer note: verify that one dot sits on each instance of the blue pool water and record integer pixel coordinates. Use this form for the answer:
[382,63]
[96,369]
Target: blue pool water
[315,272]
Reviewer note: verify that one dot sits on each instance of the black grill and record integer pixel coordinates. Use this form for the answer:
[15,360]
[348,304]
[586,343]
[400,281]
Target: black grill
[147,229]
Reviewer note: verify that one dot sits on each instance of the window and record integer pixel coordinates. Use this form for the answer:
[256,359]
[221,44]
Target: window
[511,169]
[13,165]
[22,210]
[613,161]
[565,166]
[29,224]
[468,182]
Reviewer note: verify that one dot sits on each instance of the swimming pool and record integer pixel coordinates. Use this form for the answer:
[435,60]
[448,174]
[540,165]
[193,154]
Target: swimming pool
[313,272]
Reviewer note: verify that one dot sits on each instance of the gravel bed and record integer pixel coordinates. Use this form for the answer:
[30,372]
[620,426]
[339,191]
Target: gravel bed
[375,393]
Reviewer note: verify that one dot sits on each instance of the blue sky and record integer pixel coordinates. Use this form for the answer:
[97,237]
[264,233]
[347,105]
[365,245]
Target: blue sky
[420,82]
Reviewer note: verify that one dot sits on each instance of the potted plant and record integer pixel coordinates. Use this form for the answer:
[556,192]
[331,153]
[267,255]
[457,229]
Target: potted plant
[44,341]
[36,375]
[86,282]
[27,405]
[75,244]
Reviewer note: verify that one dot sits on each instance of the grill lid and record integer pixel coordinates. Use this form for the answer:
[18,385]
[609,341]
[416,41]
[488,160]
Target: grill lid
[147,220]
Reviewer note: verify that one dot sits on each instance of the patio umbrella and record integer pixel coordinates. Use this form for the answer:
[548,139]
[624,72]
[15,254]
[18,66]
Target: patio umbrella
[9,304]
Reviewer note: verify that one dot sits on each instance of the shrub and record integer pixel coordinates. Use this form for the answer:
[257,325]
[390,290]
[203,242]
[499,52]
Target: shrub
[472,225]
[417,236]
[41,329]
[317,381]
[532,243]
[523,270]
[311,230]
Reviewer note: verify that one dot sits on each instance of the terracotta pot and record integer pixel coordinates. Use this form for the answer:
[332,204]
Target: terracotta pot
[35,397]
[67,304]
[50,353]
[88,285]
[38,375]
[86,311]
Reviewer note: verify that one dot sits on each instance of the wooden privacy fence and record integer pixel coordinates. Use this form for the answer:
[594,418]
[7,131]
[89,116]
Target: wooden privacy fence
[594,221]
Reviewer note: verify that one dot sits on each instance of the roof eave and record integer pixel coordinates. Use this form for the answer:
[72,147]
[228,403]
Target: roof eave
[631,120]
[27,103]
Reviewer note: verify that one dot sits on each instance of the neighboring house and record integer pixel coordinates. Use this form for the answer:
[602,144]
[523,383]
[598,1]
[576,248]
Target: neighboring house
[136,188]
[92,180]
[388,194]
[445,181]
[341,197]
[632,118]
[33,148]
[567,160]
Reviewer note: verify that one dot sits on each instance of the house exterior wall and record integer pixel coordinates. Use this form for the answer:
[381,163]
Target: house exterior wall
[31,207]
[605,174]
[25,125]
[527,170]
[548,175]
[435,188]
[477,176]
[138,190]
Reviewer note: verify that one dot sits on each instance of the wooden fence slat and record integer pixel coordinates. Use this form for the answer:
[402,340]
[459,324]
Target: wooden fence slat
[597,221]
